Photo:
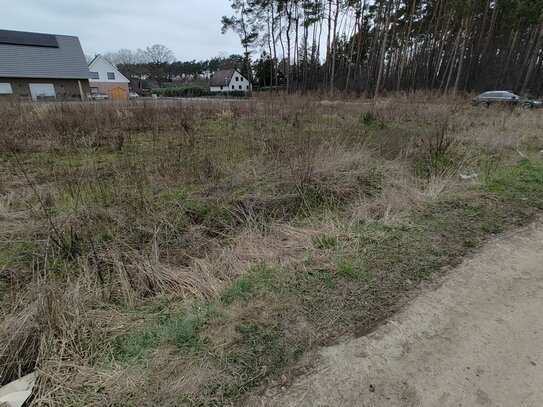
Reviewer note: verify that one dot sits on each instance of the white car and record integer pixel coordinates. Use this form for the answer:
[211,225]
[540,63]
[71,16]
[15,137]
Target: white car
[133,95]
[99,96]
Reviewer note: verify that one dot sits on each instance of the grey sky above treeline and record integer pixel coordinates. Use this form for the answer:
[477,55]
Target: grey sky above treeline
[191,29]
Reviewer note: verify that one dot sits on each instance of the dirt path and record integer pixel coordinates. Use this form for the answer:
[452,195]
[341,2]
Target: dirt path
[475,340]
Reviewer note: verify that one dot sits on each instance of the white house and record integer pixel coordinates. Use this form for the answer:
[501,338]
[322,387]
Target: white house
[106,79]
[229,80]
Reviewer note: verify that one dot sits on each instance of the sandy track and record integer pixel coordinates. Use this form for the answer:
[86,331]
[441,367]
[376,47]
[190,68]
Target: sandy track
[475,340]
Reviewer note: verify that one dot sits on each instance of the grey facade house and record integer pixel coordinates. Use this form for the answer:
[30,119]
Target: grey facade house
[36,66]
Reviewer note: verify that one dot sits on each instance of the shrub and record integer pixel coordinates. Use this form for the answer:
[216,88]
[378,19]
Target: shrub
[181,92]
[194,92]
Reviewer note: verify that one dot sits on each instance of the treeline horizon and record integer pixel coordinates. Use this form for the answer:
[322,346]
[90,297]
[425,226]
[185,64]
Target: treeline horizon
[392,45]
[370,46]
[163,71]
[157,62]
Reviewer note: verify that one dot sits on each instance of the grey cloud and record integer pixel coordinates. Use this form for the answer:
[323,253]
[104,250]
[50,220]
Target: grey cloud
[191,29]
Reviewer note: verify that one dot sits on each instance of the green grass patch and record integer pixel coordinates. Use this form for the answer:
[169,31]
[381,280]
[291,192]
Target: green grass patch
[523,182]
[324,242]
[241,289]
[13,254]
[181,330]
[352,268]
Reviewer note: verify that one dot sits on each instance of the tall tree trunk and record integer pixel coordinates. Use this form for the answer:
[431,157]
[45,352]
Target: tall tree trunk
[383,50]
[405,46]
[440,53]
[526,56]
[271,38]
[360,40]
[334,48]
[533,61]
[354,44]
[452,61]
[505,68]
[289,45]
[465,37]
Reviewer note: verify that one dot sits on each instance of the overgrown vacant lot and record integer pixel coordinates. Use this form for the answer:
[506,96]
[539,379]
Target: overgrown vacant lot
[182,254]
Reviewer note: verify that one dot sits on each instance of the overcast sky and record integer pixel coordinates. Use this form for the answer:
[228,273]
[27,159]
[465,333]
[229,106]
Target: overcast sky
[190,28]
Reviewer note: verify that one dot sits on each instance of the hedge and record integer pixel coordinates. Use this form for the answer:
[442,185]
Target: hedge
[194,92]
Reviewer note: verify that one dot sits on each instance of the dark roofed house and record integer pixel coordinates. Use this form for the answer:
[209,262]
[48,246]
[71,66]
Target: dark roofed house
[229,80]
[42,67]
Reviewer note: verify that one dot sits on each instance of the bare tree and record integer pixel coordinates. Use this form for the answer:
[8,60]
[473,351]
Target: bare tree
[157,59]
[123,56]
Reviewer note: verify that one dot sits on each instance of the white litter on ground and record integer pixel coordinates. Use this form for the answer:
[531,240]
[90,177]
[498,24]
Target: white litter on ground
[17,392]
[472,177]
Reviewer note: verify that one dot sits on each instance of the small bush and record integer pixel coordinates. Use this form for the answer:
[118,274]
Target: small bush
[436,143]
[369,118]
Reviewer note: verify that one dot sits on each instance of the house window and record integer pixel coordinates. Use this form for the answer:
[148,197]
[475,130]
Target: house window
[94,91]
[111,76]
[5,89]
[221,87]
[240,87]
[233,87]
[42,91]
[95,75]
[237,78]
[247,87]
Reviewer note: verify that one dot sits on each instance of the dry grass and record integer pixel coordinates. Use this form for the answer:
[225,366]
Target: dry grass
[133,237]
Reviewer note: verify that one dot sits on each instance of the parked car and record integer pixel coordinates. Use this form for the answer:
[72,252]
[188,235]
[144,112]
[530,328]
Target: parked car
[133,95]
[505,97]
[99,96]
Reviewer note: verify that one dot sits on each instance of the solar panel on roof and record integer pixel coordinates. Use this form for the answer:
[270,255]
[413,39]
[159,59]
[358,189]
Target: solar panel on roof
[30,39]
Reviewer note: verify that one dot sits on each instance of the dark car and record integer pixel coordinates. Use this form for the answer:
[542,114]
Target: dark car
[505,97]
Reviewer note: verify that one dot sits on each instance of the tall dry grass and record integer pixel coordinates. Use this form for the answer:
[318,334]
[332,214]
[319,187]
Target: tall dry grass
[107,208]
